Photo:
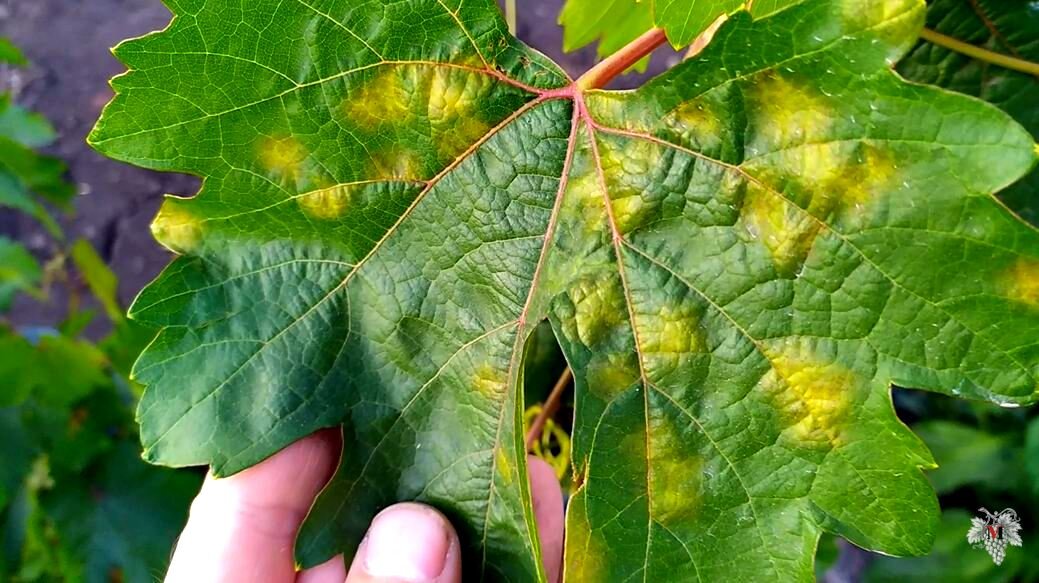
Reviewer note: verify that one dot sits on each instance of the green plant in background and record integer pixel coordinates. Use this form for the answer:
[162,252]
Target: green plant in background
[76,501]
[738,259]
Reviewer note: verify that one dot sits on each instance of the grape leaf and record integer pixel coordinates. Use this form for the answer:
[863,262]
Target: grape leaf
[1005,27]
[738,259]
[615,23]
[19,272]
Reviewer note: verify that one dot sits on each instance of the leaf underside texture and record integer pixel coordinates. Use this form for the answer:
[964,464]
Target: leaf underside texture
[738,259]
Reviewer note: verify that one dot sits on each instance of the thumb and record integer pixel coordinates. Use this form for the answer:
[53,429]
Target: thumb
[408,543]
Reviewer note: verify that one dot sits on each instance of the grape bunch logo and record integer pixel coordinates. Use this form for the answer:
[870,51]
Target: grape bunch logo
[994,531]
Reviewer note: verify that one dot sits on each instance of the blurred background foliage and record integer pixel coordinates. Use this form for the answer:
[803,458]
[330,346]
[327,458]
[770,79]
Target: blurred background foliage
[78,504]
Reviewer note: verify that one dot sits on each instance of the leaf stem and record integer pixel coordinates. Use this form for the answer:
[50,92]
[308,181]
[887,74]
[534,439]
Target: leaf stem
[598,76]
[510,16]
[979,53]
[548,410]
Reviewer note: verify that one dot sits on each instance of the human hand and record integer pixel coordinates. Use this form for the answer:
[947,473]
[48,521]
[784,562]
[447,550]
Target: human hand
[243,528]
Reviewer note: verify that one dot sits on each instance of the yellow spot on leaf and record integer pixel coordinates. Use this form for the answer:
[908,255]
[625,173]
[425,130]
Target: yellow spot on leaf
[176,228]
[326,203]
[282,156]
[787,112]
[822,183]
[489,381]
[698,125]
[503,465]
[843,177]
[1021,282]
[815,394]
[669,335]
[453,112]
[382,99]
[585,209]
[587,554]
[786,231]
[600,307]
[612,373]
[396,163]
[676,475]
[627,170]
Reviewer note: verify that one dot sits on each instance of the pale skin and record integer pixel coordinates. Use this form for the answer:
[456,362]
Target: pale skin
[243,528]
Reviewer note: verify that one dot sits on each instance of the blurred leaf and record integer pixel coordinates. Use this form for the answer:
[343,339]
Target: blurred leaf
[966,455]
[76,322]
[16,451]
[19,272]
[10,54]
[42,175]
[99,278]
[1032,455]
[119,523]
[125,343]
[31,130]
[614,23]
[952,560]
[13,194]
[16,358]
[58,371]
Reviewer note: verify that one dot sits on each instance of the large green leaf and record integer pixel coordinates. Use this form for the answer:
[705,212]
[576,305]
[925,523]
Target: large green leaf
[1002,26]
[737,260]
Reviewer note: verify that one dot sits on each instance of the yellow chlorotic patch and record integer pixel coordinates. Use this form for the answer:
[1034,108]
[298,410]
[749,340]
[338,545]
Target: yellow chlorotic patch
[1021,282]
[842,176]
[382,99]
[454,139]
[697,123]
[637,159]
[326,203]
[396,163]
[675,474]
[453,112]
[864,13]
[503,465]
[489,381]
[584,205]
[816,395]
[669,335]
[882,18]
[587,554]
[613,109]
[787,112]
[786,231]
[176,228]
[599,307]
[611,374]
[283,156]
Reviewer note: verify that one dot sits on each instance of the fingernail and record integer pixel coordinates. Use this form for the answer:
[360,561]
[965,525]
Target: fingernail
[407,542]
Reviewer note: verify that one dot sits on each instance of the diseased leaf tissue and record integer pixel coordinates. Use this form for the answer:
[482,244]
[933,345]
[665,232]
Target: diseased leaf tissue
[738,259]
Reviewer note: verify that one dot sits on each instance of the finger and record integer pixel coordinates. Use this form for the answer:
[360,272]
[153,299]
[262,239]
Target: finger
[548,512]
[331,571]
[410,543]
[243,528]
